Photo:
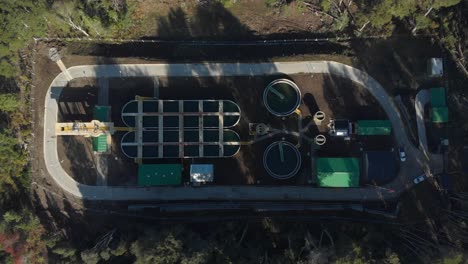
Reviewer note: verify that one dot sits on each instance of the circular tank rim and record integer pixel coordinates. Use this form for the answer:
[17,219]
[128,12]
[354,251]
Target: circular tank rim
[238,141]
[293,172]
[121,143]
[288,82]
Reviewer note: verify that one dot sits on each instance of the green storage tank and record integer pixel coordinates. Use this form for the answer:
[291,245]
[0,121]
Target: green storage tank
[374,127]
[159,174]
[439,114]
[338,172]
[437,96]
[100,143]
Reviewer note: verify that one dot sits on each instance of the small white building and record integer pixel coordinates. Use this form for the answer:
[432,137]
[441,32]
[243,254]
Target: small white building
[201,173]
[435,67]
[340,128]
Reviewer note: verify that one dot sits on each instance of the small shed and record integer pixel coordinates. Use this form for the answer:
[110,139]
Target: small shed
[439,114]
[437,96]
[435,67]
[439,110]
[339,128]
[374,127]
[100,143]
[379,167]
[159,174]
[338,172]
[102,113]
[201,173]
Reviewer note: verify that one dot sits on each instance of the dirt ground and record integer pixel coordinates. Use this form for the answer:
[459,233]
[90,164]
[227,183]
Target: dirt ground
[181,18]
[77,158]
[55,206]
[399,64]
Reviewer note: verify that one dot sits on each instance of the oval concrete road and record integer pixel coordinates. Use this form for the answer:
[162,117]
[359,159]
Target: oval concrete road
[411,168]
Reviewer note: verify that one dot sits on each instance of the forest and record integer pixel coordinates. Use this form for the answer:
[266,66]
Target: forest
[26,238]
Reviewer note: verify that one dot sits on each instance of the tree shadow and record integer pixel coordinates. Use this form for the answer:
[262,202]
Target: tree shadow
[181,37]
[75,102]
[106,13]
[174,25]
[215,22]
[76,156]
[351,101]
[397,63]
[310,102]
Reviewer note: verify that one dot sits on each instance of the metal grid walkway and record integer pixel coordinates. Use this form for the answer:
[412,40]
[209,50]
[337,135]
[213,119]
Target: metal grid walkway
[180,128]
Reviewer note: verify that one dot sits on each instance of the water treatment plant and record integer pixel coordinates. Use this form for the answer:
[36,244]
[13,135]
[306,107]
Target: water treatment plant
[158,131]
[253,131]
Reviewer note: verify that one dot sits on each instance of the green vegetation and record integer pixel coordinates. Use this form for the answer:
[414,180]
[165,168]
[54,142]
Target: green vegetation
[22,236]
[239,243]
[19,22]
[12,177]
[9,103]
[441,18]
[273,3]
[228,3]
[266,241]
[383,13]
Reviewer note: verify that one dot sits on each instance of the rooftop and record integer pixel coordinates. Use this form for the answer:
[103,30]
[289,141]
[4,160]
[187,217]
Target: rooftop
[379,167]
[159,174]
[101,113]
[436,67]
[100,143]
[374,127]
[437,97]
[338,172]
[439,114]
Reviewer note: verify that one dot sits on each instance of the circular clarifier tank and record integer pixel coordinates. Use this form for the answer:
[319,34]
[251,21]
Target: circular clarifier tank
[282,160]
[282,97]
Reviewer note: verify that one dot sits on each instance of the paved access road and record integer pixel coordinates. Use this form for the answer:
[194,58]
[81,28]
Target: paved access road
[436,160]
[415,165]
[422,98]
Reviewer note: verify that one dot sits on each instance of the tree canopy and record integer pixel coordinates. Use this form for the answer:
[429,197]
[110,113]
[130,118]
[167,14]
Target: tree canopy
[381,13]
[20,21]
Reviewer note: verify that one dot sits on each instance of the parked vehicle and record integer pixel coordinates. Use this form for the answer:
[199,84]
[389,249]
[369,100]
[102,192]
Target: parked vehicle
[402,154]
[419,179]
